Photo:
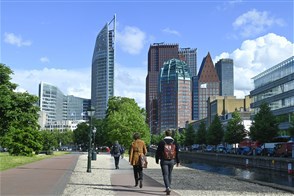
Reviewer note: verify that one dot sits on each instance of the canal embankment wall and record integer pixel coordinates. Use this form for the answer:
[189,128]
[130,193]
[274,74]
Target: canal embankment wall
[272,163]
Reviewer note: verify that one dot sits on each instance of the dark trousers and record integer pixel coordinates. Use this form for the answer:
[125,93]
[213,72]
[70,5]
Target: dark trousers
[138,173]
[116,161]
[167,168]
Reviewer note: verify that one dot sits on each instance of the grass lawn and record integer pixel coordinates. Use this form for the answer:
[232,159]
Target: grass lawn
[7,161]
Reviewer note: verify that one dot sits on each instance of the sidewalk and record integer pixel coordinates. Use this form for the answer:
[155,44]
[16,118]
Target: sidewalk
[106,180]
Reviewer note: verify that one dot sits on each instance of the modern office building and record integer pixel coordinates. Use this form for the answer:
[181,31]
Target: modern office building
[158,53]
[225,71]
[175,97]
[208,85]
[275,86]
[57,107]
[102,84]
[190,57]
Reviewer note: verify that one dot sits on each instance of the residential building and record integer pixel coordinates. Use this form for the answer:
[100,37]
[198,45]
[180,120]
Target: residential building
[225,71]
[158,53]
[102,84]
[208,85]
[175,97]
[275,86]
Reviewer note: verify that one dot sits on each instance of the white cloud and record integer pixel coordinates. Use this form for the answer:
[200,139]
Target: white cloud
[131,39]
[44,59]
[170,31]
[254,23]
[70,82]
[130,82]
[12,39]
[254,57]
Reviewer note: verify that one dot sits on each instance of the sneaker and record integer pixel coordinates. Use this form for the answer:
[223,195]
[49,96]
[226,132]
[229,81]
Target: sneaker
[141,183]
[167,191]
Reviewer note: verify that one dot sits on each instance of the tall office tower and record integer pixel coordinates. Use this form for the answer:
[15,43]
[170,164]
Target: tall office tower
[59,107]
[225,72]
[195,98]
[174,95]
[102,86]
[158,53]
[208,85]
[190,57]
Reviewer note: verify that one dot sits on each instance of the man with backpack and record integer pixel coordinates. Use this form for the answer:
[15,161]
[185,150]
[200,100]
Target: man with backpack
[116,151]
[167,151]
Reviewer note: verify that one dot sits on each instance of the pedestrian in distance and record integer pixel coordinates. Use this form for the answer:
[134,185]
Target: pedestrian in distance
[167,152]
[116,151]
[137,148]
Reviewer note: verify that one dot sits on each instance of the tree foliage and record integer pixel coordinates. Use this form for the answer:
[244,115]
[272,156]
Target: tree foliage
[201,134]
[123,118]
[18,115]
[235,131]
[215,132]
[190,136]
[81,135]
[264,126]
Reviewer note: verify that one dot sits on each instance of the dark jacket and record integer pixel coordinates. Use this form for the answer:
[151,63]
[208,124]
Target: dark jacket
[160,148]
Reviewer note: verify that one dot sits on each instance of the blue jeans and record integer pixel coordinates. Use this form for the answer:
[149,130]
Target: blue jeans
[167,168]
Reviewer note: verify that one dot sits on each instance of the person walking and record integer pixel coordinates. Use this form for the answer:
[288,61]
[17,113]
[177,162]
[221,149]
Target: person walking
[116,152]
[167,151]
[137,148]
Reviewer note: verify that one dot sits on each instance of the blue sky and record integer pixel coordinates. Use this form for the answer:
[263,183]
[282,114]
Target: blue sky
[53,41]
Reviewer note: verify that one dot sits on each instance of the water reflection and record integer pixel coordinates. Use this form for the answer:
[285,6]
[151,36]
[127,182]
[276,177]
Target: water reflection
[264,175]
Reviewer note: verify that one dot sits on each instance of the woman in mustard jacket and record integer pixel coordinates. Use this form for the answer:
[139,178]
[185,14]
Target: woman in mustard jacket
[138,147]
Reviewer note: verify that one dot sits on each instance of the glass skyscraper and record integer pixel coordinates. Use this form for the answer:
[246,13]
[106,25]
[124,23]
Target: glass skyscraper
[175,95]
[225,72]
[275,86]
[102,84]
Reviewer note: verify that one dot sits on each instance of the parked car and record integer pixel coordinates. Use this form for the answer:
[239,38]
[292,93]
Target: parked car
[283,149]
[244,150]
[221,149]
[210,148]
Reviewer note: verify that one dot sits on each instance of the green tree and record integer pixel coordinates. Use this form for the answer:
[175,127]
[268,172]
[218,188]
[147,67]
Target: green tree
[264,126]
[235,132]
[215,132]
[156,138]
[190,136]
[123,118]
[18,115]
[201,134]
[80,135]
[48,141]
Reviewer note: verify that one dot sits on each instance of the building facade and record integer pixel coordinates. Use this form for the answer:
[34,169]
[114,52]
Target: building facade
[275,86]
[158,53]
[225,71]
[102,84]
[190,57]
[208,85]
[57,107]
[175,97]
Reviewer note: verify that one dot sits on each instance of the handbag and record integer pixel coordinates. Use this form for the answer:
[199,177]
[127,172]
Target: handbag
[143,161]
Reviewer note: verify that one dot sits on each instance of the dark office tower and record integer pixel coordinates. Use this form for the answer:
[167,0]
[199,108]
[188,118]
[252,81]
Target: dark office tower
[195,98]
[190,57]
[102,87]
[225,72]
[174,95]
[158,53]
[208,85]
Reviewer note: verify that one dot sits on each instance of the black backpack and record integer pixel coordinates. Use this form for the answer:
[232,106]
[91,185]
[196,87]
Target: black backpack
[116,149]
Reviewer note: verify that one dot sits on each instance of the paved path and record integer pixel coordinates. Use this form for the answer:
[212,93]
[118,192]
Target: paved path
[66,175]
[45,177]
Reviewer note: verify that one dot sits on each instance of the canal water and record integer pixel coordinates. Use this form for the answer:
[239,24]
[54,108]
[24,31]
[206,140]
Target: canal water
[264,175]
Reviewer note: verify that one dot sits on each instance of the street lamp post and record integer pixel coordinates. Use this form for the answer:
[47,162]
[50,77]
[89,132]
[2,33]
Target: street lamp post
[90,112]
[94,151]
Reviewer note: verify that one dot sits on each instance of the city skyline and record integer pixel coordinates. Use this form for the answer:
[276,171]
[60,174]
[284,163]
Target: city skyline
[54,41]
